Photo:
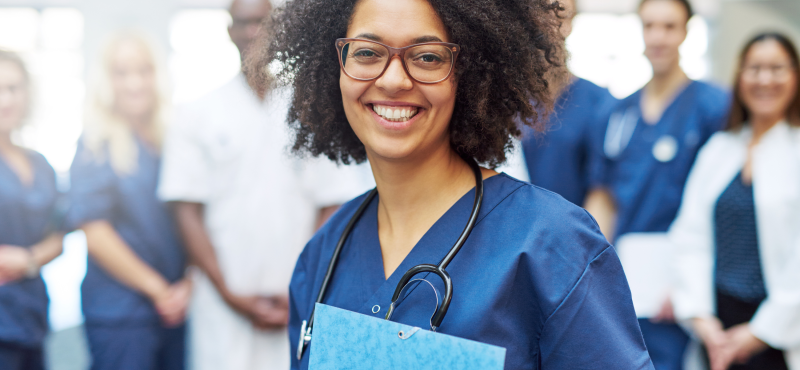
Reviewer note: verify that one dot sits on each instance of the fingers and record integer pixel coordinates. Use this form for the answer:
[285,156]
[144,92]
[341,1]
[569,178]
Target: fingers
[173,306]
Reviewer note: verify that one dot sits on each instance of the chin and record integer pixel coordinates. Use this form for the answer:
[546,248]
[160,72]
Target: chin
[391,149]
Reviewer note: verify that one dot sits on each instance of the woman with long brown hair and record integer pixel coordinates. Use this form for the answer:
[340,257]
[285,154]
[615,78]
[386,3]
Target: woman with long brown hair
[736,237]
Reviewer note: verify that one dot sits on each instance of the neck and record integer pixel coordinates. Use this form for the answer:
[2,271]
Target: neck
[667,82]
[409,187]
[141,126]
[6,144]
[762,124]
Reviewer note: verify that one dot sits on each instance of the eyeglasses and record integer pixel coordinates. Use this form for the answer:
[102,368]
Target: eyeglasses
[777,71]
[427,63]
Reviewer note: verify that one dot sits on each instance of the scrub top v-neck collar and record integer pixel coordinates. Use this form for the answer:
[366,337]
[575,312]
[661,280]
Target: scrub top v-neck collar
[22,185]
[677,96]
[376,289]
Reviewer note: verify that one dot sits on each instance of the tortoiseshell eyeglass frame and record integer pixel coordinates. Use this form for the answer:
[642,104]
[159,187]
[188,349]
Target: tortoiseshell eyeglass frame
[400,52]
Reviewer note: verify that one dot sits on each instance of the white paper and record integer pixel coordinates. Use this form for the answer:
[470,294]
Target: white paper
[647,261]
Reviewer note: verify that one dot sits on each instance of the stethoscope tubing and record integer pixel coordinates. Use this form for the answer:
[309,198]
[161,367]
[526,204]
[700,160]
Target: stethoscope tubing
[439,270]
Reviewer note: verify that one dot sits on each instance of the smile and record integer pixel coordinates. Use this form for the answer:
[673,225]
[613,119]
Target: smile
[396,113]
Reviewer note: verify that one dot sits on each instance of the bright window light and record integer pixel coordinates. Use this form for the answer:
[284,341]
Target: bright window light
[608,50]
[203,56]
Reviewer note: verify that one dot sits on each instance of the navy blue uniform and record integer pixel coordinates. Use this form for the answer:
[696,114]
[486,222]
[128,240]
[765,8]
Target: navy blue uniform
[645,166]
[123,327]
[535,277]
[27,216]
[559,160]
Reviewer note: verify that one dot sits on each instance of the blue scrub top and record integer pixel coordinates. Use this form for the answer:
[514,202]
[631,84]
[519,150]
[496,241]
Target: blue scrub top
[647,191]
[535,277]
[27,214]
[130,204]
[559,160]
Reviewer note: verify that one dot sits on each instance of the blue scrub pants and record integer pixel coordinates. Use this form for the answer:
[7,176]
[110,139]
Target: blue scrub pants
[136,347]
[14,357]
[666,344]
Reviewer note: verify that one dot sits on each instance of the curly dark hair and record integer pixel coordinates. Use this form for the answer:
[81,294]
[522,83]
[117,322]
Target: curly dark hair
[512,55]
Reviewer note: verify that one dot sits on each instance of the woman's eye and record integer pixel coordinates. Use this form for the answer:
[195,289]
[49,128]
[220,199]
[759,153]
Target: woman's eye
[429,58]
[365,53]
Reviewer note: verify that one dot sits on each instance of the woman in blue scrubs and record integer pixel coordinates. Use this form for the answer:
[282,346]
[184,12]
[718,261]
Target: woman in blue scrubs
[29,229]
[559,159]
[134,296]
[650,143]
[535,276]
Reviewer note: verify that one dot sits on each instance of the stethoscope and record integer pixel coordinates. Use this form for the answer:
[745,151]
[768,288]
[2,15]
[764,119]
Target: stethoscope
[439,270]
[619,131]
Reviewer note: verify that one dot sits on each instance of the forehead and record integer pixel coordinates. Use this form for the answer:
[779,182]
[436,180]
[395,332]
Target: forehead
[10,72]
[130,53]
[767,51]
[246,9]
[396,22]
[662,11]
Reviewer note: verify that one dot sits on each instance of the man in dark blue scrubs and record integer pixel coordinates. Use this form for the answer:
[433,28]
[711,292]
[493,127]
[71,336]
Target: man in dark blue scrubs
[559,160]
[649,145]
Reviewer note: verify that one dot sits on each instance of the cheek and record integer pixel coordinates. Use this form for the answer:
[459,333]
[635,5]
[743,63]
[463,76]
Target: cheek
[352,91]
[442,98]
[792,88]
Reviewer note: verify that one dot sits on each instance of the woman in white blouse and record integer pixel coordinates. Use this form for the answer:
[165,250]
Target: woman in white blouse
[737,235]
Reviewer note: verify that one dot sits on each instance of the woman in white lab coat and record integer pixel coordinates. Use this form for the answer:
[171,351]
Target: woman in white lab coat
[737,235]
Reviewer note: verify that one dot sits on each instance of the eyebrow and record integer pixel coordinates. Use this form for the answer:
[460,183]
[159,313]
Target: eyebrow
[418,40]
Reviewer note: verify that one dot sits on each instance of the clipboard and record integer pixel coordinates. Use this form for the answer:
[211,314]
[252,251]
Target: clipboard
[349,340]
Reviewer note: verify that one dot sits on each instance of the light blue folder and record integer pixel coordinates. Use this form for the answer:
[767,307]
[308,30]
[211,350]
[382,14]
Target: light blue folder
[348,340]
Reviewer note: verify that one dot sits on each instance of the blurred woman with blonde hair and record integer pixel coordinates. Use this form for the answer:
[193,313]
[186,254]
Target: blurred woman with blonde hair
[134,295]
[30,234]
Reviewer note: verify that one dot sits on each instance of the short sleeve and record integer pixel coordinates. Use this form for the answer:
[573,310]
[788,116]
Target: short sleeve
[185,167]
[93,192]
[595,326]
[329,184]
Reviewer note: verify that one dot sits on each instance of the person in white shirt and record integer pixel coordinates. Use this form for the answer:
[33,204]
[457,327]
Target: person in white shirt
[737,235]
[245,209]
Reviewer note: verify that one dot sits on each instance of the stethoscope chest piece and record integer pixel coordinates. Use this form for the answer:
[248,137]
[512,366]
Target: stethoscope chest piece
[665,148]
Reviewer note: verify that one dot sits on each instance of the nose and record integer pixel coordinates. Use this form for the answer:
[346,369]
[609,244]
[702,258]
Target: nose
[765,76]
[395,78]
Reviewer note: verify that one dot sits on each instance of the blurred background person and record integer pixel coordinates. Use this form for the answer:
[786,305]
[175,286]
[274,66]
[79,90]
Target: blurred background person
[134,295]
[245,209]
[649,146]
[30,233]
[558,160]
[737,238]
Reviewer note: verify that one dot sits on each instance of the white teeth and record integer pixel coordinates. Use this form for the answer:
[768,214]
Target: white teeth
[396,114]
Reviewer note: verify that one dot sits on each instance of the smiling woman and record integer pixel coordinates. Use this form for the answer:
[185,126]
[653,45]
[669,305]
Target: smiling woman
[424,90]
[504,74]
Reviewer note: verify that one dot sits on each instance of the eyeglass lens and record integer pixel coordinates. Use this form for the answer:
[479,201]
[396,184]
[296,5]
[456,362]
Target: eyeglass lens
[425,63]
[776,71]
